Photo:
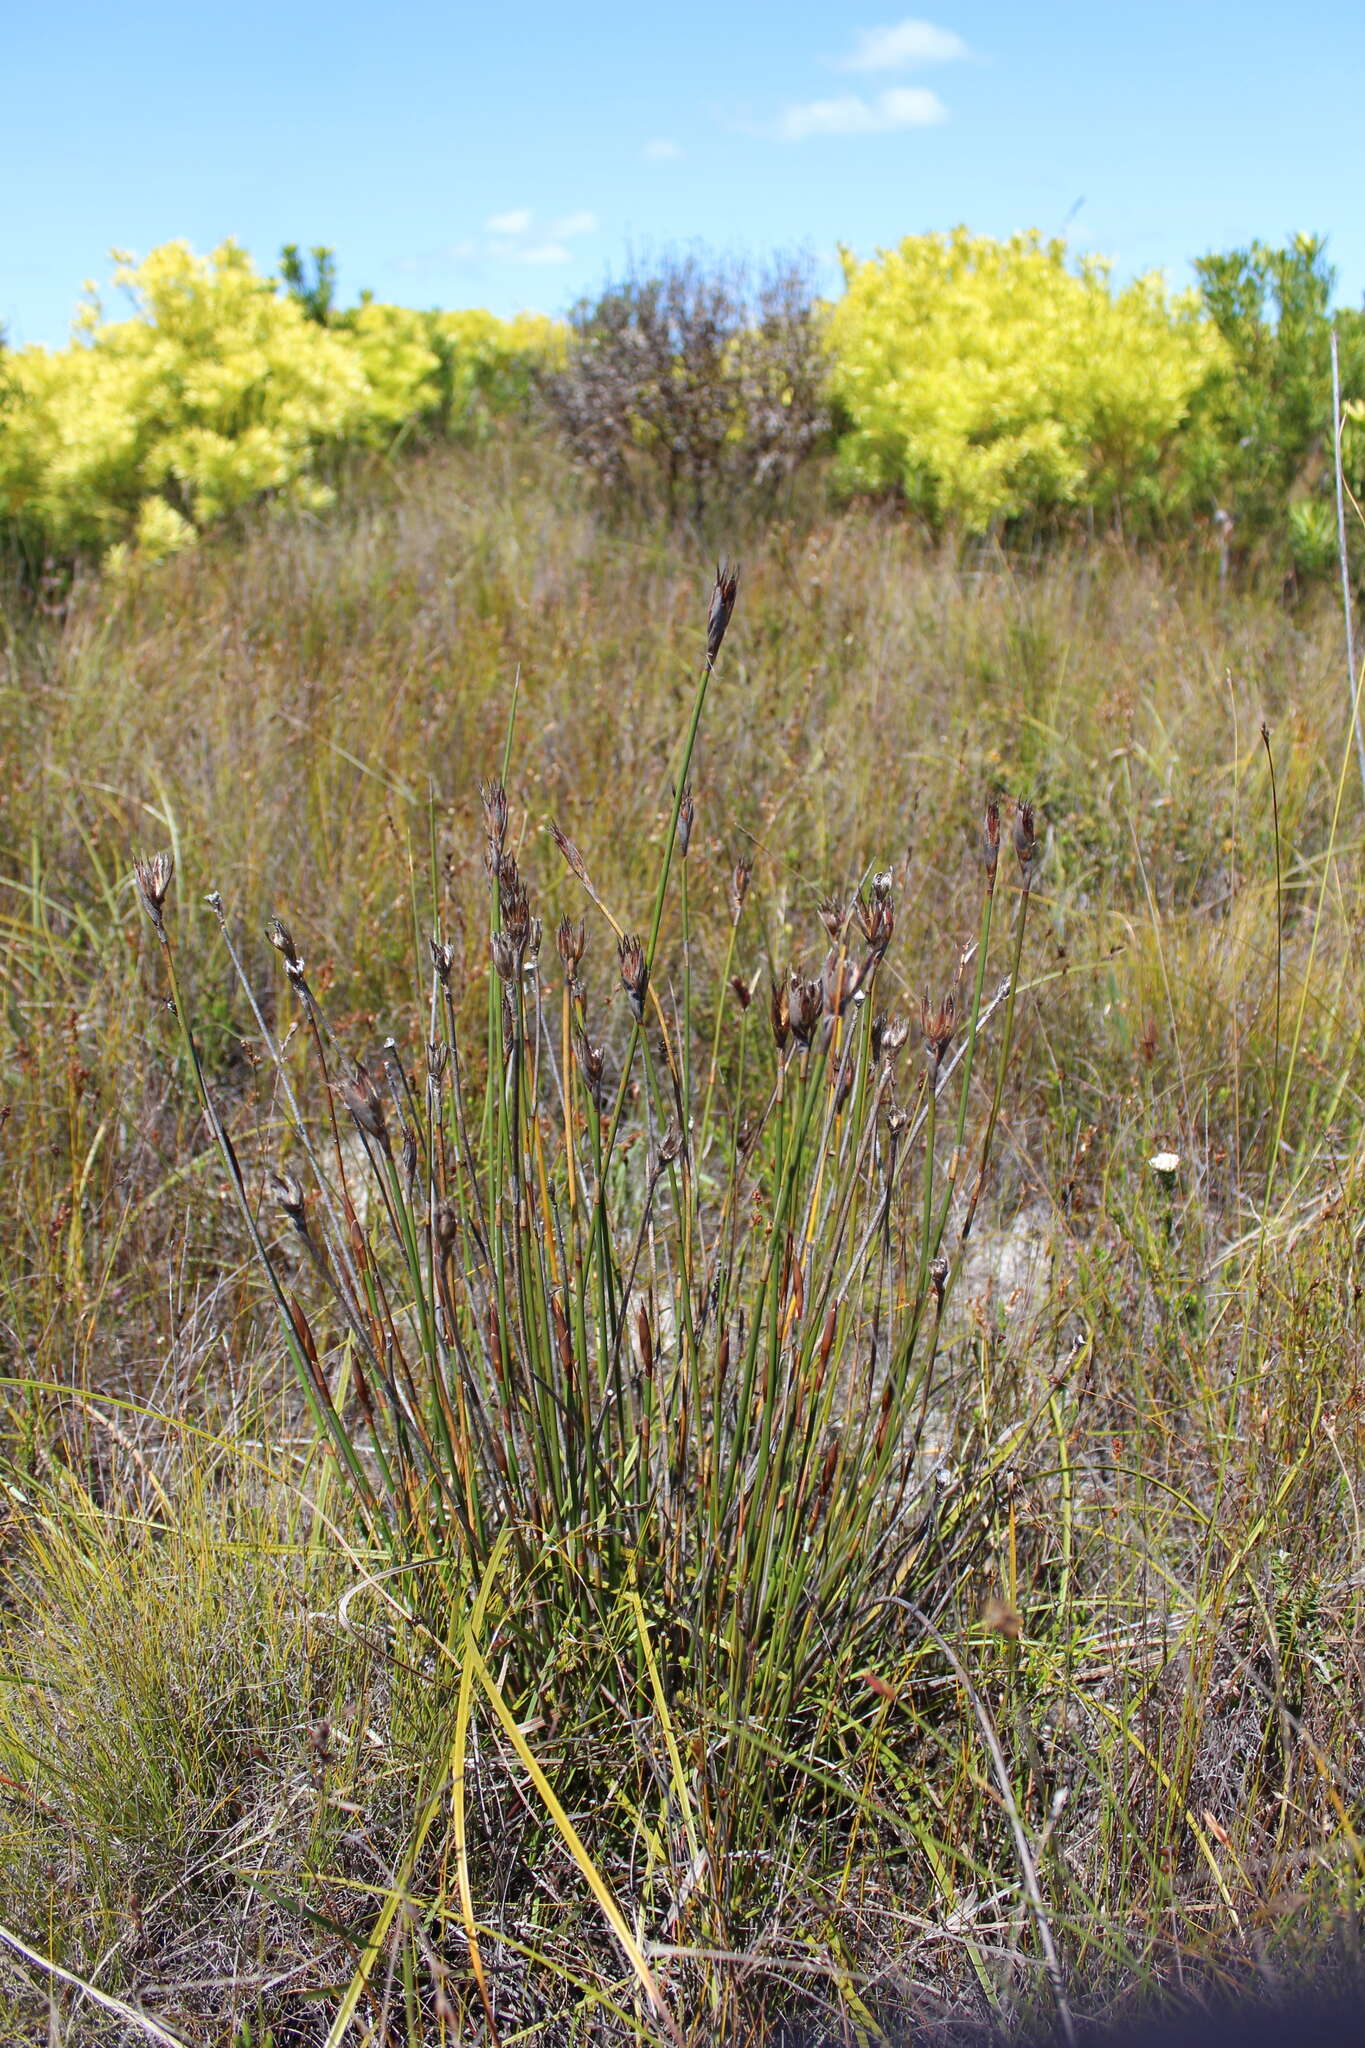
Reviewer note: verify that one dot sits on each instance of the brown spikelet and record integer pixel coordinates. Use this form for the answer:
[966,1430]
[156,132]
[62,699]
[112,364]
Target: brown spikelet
[571,940]
[493,797]
[741,874]
[779,1012]
[288,1193]
[876,914]
[572,856]
[937,1024]
[990,840]
[634,972]
[152,875]
[687,816]
[721,606]
[366,1105]
[1025,838]
[591,1063]
[805,1004]
[446,1225]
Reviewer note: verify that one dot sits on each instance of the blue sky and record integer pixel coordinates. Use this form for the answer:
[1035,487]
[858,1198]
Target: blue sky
[515,155]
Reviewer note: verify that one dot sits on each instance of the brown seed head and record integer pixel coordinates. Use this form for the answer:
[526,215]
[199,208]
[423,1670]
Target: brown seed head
[743,994]
[938,1273]
[687,815]
[895,1031]
[493,797]
[504,954]
[741,874]
[833,915]
[1025,837]
[152,875]
[876,915]
[722,605]
[571,854]
[289,1194]
[443,960]
[572,940]
[937,1023]
[634,972]
[990,840]
[513,901]
[282,939]
[445,1226]
[591,1062]
[670,1145]
[779,1012]
[805,1002]
[365,1103]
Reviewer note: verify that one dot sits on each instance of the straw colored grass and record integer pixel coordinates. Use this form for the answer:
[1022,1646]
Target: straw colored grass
[564,1561]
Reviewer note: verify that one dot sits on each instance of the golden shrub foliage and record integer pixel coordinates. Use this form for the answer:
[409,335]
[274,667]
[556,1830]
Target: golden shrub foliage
[989,378]
[216,390]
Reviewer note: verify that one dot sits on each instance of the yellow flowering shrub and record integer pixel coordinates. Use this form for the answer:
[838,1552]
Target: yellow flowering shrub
[458,371]
[218,389]
[986,378]
[212,392]
[488,366]
[393,347]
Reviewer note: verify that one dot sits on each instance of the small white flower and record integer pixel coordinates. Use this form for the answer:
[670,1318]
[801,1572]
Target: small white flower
[1167,1164]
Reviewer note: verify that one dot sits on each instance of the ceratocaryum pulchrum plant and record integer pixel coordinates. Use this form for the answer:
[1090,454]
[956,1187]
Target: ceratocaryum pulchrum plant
[627,1344]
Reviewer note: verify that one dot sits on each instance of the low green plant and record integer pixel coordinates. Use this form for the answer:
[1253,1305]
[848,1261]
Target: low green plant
[638,1351]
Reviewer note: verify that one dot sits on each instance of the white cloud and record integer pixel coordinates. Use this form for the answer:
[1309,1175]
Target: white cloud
[902,106]
[902,44]
[510,235]
[661,151]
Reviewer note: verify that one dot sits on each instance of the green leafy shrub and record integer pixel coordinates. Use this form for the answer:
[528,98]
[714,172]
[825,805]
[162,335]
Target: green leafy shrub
[989,379]
[1262,430]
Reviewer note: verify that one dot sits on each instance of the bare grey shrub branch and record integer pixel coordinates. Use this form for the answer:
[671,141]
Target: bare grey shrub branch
[695,382]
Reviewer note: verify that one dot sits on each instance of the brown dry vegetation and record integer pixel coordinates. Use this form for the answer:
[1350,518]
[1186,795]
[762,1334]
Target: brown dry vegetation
[1133,1730]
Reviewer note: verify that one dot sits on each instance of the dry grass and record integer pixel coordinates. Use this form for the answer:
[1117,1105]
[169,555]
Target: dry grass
[1147,1564]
